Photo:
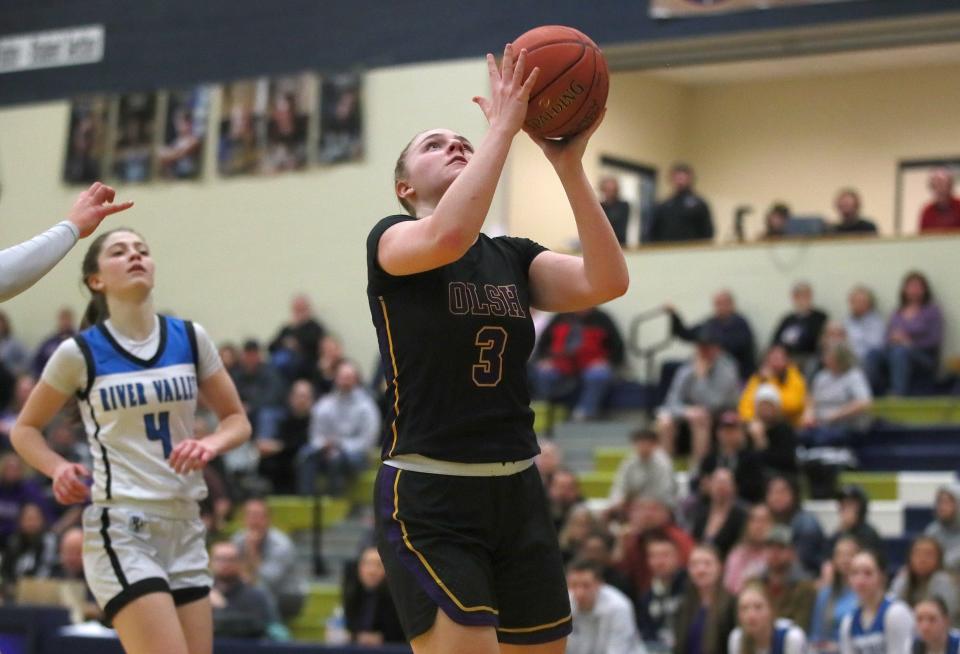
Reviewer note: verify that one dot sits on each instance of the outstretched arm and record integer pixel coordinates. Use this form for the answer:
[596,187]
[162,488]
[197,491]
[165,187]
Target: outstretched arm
[446,234]
[567,283]
[21,266]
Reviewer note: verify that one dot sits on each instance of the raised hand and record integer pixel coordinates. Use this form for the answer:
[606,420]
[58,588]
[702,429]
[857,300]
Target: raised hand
[69,483]
[190,455]
[509,91]
[562,153]
[92,206]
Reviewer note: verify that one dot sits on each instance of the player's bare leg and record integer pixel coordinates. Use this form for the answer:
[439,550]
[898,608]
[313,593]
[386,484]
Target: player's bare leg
[149,625]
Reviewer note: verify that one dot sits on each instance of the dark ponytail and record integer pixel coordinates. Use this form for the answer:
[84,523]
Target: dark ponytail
[97,310]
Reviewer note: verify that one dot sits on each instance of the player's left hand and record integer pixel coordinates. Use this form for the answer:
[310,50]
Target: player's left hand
[190,455]
[567,151]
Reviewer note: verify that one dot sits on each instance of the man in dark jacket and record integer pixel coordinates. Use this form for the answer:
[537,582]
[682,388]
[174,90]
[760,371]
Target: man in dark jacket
[684,216]
[731,329]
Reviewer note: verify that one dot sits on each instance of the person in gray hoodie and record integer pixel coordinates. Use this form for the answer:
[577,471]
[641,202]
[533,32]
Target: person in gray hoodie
[946,526]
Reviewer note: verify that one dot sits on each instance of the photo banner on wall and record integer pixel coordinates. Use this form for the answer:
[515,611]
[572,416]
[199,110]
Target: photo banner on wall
[686,8]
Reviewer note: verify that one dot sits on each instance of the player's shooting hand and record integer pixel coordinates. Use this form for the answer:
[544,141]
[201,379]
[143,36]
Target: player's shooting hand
[510,88]
[566,153]
[92,206]
[190,455]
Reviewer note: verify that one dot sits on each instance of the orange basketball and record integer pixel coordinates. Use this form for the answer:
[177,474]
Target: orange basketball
[571,90]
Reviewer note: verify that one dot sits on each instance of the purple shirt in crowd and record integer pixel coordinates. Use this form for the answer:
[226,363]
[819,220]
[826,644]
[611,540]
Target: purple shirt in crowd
[925,329]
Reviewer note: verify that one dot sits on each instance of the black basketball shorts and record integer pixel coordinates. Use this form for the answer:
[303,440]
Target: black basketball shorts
[482,549]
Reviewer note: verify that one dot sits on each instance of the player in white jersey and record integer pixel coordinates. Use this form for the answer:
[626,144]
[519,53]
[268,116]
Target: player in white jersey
[879,624]
[137,377]
[22,265]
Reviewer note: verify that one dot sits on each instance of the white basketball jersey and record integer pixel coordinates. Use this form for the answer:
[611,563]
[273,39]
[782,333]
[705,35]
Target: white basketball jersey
[137,410]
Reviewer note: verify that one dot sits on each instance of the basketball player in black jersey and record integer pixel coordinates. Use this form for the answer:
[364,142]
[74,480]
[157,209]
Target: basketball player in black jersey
[462,523]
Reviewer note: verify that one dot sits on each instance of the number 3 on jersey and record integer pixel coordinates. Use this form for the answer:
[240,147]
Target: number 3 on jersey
[157,426]
[492,341]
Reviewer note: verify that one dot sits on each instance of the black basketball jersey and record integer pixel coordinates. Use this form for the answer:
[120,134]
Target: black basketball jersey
[455,343]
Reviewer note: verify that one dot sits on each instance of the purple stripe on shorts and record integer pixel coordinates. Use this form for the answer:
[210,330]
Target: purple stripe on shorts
[536,637]
[415,566]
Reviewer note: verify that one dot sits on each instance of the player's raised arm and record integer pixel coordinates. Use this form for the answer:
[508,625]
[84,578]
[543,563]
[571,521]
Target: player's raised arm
[449,187]
[561,282]
[22,265]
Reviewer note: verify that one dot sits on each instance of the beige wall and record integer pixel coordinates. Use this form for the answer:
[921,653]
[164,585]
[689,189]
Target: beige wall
[797,139]
[801,139]
[232,252]
[644,123]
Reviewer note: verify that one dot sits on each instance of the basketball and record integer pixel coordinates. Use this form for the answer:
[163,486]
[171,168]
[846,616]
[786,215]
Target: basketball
[572,88]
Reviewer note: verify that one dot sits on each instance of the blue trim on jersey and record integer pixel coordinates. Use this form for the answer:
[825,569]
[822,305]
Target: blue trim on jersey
[109,357]
[779,640]
[953,643]
[856,629]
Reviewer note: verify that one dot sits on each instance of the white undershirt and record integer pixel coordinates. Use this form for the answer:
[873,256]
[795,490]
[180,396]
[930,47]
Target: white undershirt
[22,265]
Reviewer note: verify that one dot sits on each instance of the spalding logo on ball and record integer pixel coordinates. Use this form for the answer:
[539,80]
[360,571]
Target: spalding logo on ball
[573,84]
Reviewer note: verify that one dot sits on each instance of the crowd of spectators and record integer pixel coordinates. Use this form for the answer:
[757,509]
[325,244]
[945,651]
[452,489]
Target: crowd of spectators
[685,216]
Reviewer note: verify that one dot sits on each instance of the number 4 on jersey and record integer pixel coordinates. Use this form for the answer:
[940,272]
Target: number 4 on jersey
[157,426]
[492,341]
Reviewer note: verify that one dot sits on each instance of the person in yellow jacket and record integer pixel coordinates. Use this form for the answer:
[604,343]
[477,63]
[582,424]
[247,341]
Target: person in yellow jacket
[777,370]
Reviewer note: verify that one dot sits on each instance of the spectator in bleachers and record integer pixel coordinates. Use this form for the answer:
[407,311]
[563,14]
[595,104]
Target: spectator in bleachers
[853,504]
[13,354]
[707,613]
[839,402]
[66,327]
[720,519]
[771,435]
[577,356]
[580,523]
[646,517]
[648,470]
[847,205]
[731,329]
[799,331]
[563,494]
[240,610]
[16,490]
[934,635]
[69,567]
[344,425]
[878,623]
[732,451]
[761,630]
[278,452]
[685,216]
[368,608]
[8,416]
[749,558]
[230,355]
[700,389]
[911,354]
[260,387]
[866,328]
[598,547]
[31,550]
[270,558]
[778,371]
[548,461]
[775,222]
[946,525]
[835,597]
[923,575]
[296,346]
[603,617]
[657,608]
[943,212]
[783,499]
[324,372]
[616,209]
[787,584]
